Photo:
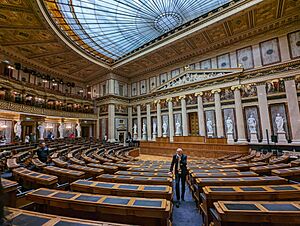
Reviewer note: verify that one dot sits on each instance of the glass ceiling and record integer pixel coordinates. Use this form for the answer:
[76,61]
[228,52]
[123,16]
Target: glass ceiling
[110,29]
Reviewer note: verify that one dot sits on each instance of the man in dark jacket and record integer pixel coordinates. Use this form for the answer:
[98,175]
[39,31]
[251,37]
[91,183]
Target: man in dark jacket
[43,153]
[179,161]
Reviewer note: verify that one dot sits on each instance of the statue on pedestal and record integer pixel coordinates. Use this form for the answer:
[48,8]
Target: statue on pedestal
[61,130]
[279,123]
[144,128]
[154,127]
[165,128]
[41,129]
[78,128]
[18,129]
[178,129]
[229,125]
[251,124]
[209,126]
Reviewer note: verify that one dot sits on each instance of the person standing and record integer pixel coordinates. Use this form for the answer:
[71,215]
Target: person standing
[43,152]
[179,161]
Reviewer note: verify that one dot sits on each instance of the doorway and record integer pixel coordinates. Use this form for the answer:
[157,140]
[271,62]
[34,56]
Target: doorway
[193,124]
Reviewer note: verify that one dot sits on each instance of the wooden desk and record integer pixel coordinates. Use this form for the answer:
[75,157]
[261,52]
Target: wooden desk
[118,189]
[249,213]
[60,163]
[109,208]
[290,173]
[89,171]
[10,192]
[143,174]
[12,163]
[19,216]
[37,163]
[266,170]
[135,179]
[281,159]
[106,168]
[213,194]
[64,175]
[148,169]
[32,179]
[243,181]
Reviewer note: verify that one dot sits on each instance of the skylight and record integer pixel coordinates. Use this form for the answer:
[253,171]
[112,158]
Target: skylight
[114,28]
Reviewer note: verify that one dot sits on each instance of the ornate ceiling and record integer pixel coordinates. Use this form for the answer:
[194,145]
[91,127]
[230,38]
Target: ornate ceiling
[26,36]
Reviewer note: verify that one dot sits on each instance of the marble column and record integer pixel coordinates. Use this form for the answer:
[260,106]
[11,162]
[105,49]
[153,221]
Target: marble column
[171,119]
[130,126]
[139,122]
[200,109]
[98,124]
[149,135]
[293,108]
[263,111]
[218,109]
[184,116]
[111,123]
[158,110]
[241,133]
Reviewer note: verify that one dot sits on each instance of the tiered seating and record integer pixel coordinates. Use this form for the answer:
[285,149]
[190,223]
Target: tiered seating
[64,175]
[10,189]
[266,170]
[289,173]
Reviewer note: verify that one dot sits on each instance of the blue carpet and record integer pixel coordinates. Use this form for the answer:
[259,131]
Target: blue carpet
[187,214]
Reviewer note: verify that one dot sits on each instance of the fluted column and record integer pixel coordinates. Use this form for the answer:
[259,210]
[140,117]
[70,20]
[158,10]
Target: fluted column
[158,110]
[139,122]
[241,133]
[171,119]
[263,111]
[184,116]
[148,108]
[130,126]
[293,108]
[200,109]
[111,122]
[218,109]
[97,124]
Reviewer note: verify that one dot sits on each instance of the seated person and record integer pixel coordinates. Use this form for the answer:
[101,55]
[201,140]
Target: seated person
[72,136]
[50,136]
[43,152]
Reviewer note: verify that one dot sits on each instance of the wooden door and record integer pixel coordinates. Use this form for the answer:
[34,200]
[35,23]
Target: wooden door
[193,124]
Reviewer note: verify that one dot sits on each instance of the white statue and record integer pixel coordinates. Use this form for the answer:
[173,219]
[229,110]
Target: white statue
[144,128]
[279,123]
[209,125]
[229,125]
[251,123]
[134,129]
[18,129]
[177,126]
[78,128]
[154,127]
[165,127]
[61,130]
[41,129]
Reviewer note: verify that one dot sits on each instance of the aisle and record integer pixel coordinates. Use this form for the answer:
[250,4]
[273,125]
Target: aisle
[187,214]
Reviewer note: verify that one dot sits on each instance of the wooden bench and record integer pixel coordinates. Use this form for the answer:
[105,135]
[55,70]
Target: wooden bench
[37,163]
[89,171]
[266,170]
[19,216]
[64,175]
[32,179]
[143,174]
[154,169]
[10,192]
[60,163]
[118,189]
[109,208]
[213,194]
[250,213]
[243,181]
[281,159]
[135,179]
[12,163]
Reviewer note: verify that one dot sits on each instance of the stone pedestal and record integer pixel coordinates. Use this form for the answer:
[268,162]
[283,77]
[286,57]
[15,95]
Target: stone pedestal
[178,133]
[230,139]
[135,136]
[144,136]
[253,137]
[165,135]
[281,137]
[210,134]
[154,136]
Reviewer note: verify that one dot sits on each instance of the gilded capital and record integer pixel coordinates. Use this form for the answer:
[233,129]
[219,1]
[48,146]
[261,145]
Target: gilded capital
[169,99]
[199,94]
[236,87]
[157,101]
[182,97]
[216,91]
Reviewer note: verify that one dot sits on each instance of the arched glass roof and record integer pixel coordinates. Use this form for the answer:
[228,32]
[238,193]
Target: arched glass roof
[110,29]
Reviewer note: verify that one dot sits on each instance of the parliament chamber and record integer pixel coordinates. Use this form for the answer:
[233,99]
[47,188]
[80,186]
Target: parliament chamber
[150,112]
